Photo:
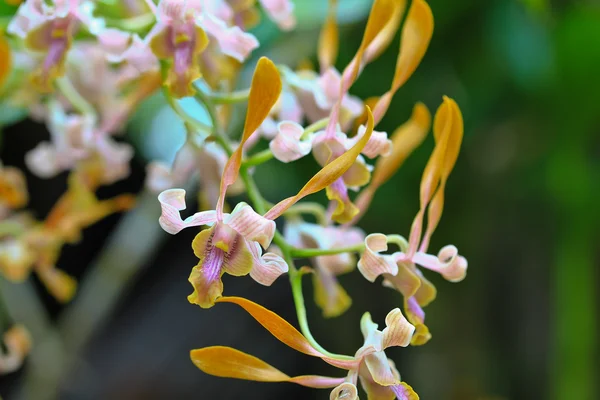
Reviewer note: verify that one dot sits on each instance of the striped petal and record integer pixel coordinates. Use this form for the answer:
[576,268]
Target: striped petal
[171,202]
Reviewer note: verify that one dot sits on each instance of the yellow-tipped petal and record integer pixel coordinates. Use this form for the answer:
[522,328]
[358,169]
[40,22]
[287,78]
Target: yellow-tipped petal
[416,34]
[387,33]
[329,39]
[448,127]
[5,59]
[328,174]
[381,13]
[277,326]
[264,92]
[227,362]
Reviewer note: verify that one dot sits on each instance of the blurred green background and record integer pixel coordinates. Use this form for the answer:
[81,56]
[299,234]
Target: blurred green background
[521,205]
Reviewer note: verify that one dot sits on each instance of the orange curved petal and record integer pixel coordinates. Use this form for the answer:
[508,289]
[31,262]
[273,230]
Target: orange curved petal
[328,174]
[264,92]
[227,362]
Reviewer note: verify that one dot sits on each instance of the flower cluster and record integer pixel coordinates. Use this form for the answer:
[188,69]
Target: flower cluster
[83,72]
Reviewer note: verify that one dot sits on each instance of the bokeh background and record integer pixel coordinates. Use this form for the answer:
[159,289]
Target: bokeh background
[522,205]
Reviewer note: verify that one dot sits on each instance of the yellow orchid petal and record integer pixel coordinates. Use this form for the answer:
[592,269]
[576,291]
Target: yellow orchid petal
[227,362]
[264,92]
[330,296]
[448,126]
[448,131]
[17,342]
[59,284]
[276,325]
[416,35]
[329,39]
[328,174]
[387,33]
[5,59]
[381,13]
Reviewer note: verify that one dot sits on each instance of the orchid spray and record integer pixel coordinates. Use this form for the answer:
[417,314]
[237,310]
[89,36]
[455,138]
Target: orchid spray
[84,72]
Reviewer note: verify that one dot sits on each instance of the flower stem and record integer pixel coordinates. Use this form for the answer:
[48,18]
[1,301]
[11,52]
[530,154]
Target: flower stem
[259,158]
[77,100]
[229,98]
[307,253]
[187,118]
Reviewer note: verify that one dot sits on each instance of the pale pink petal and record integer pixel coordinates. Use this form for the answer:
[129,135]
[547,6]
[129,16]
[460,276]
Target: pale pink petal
[398,331]
[380,369]
[171,202]
[316,381]
[162,177]
[378,144]
[140,56]
[114,42]
[290,109]
[116,157]
[280,11]
[372,264]
[288,145]
[251,225]
[268,267]
[158,177]
[43,161]
[330,82]
[169,10]
[232,40]
[345,391]
[448,263]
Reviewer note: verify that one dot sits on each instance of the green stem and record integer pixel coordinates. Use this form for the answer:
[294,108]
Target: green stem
[315,209]
[217,128]
[259,158]
[308,253]
[187,118]
[317,126]
[134,24]
[229,98]
[78,101]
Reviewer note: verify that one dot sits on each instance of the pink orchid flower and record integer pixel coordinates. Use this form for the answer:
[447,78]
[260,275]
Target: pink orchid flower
[49,27]
[233,242]
[377,374]
[181,33]
[75,138]
[280,11]
[330,296]
[231,245]
[209,158]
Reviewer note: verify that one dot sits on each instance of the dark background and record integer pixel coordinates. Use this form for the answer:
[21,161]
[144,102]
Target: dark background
[521,205]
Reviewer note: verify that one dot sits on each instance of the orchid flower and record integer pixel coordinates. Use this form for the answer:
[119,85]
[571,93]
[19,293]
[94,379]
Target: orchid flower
[329,294]
[49,27]
[377,373]
[182,33]
[17,342]
[398,269]
[13,189]
[232,243]
[38,245]
[291,144]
